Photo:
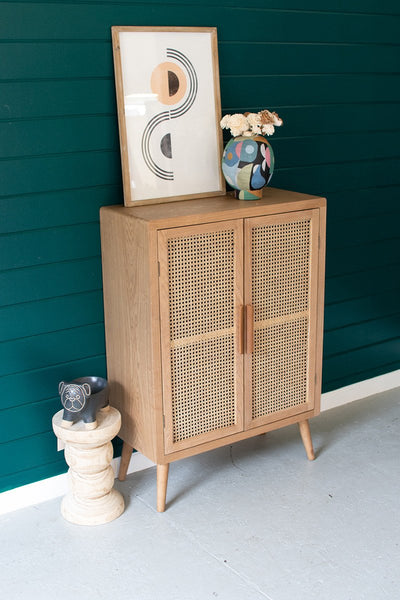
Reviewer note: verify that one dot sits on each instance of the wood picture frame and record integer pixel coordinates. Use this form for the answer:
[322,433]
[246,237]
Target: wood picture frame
[169,109]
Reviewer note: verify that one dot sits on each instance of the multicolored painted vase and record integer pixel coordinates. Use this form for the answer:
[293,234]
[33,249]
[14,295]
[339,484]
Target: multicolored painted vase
[247,165]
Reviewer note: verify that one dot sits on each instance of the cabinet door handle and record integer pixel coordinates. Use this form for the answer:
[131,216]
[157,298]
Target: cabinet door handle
[249,329]
[240,329]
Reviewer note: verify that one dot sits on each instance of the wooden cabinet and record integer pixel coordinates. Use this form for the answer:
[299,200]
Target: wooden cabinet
[213,314]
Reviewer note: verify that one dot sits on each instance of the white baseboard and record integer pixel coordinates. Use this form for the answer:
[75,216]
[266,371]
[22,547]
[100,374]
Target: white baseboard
[362,389]
[47,489]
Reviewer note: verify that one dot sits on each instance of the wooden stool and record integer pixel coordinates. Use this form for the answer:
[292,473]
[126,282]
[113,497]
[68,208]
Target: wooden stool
[91,499]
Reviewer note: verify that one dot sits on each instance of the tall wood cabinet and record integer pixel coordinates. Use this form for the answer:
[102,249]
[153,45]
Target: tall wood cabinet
[213,316]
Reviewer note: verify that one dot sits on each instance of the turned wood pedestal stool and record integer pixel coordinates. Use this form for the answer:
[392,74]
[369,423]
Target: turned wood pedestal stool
[91,499]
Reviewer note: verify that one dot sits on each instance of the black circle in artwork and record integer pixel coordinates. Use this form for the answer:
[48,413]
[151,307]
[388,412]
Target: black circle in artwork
[173,83]
[165,145]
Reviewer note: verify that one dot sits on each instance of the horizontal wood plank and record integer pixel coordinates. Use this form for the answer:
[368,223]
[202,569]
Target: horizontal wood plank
[341,6]
[77,59]
[49,349]
[59,135]
[53,314]
[324,180]
[28,453]
[61,207]
[351,259]
[249,58]
[369,372]
[363,203]
[318,89]
[24,476]
[57,98]
[77,21]
[347,232]
[28,419]
[364,283]
[363,309]
[42,384]
[360,364]
[45,246]
[356,336]
[20,176]
[49,281]
[342,147]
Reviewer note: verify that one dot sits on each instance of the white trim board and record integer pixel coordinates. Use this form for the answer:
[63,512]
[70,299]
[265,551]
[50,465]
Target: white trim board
[47,489]
[362,389]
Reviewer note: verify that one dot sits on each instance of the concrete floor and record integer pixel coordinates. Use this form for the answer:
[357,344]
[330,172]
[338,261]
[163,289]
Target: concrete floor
[248,522]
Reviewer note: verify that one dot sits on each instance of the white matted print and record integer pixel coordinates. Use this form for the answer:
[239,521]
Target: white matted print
[169,109]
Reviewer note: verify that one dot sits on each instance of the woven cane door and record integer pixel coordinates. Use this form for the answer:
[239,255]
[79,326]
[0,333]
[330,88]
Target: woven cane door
[281,271]
[201,294]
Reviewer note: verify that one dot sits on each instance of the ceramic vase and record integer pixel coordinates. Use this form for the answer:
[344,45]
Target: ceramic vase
[247,165]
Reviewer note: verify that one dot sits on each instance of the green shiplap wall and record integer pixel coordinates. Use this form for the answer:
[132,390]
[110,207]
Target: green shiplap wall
[329,68]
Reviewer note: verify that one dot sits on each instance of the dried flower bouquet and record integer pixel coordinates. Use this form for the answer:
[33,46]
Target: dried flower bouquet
[263,122]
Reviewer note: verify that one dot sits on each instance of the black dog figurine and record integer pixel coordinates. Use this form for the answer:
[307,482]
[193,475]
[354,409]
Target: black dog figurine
[82,398]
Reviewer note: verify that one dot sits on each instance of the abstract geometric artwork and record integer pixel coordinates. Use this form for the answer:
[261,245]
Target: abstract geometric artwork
[169,110]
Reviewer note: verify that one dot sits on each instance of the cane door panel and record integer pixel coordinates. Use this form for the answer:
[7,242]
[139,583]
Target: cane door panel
[281,267]
[201,295]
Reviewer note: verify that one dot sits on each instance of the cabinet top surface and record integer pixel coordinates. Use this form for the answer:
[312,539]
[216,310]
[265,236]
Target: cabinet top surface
[218,208]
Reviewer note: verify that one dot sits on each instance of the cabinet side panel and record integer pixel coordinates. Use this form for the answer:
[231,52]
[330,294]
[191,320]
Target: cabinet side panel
[127,308]
[320,308]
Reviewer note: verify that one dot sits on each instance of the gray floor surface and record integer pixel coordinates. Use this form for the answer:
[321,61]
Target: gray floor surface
[252,521]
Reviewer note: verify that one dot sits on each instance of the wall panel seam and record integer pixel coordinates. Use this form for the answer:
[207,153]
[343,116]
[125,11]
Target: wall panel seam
[363,347]
[363,322]
[54,366]
[386,367]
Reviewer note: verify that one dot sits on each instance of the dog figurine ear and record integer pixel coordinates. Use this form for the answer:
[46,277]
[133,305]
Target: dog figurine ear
[86,389]
[61,387]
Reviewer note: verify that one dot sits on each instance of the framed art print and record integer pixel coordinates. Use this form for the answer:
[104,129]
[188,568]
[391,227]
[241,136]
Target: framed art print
[169,109]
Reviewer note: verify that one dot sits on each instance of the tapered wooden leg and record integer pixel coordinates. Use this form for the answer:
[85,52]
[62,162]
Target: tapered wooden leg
[306,437]
[125,459]
[162,481]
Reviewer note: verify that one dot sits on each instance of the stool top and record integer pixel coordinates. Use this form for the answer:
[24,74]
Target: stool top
[108,425]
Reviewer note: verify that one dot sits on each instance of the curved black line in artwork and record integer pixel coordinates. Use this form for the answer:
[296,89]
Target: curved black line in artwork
[172,114]
[151,125]
[193,82]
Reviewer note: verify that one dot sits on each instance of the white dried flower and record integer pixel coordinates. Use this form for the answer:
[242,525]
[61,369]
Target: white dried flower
[268,129]
[263,122]
[253,119]
[236,131]
[238,124]
[224,122]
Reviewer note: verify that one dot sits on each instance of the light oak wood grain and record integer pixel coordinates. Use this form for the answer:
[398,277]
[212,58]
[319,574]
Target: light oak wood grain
[162,482]
[126,456]
[306,437]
